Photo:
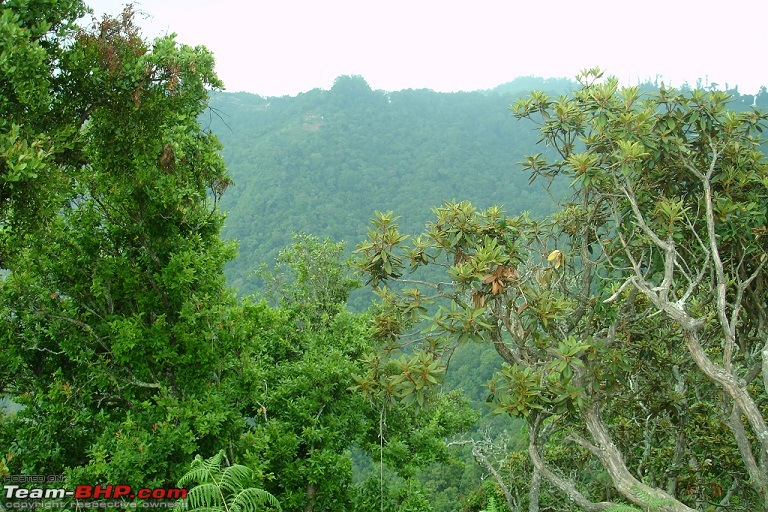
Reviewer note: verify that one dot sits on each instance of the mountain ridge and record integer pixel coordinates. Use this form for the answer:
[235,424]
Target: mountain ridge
[324,161]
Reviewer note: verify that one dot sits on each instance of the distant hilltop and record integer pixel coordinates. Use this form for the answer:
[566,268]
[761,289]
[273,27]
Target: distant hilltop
[323,161]
[550,85]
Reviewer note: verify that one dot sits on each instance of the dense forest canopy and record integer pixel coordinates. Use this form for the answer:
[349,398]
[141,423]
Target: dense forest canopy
[613,312]
[322,162]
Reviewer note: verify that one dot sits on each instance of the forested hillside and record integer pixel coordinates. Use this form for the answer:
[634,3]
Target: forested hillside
[617,331]
[322,162]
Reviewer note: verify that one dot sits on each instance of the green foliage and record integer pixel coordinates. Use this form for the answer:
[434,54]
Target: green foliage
[116,323]
[322,161]
[308,276]
[220,489]
[491,505]
[589,362]
[650,504]
[295,370]
[124,353]
[36,146]
[483,253]
[302,418]
[657,172]
[394,495]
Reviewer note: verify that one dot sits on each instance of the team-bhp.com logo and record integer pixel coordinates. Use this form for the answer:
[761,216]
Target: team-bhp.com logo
[20,495]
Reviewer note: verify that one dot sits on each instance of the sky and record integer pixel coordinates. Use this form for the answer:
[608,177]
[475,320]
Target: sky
[285,47]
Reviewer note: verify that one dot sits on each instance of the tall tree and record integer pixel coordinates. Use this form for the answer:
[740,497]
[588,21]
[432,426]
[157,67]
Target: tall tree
[684,190]
[297,366]
[643,297]
[115,326]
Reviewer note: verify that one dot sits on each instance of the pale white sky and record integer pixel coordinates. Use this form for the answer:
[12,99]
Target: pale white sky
[279,47]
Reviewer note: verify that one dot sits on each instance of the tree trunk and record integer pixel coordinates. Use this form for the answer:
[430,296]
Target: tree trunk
[757,477]
[731,385]
[534,491]
[613,461]
[565,486]
[311,497]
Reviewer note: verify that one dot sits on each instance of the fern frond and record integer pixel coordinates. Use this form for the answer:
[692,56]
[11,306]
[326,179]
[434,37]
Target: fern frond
[253,499]
[235,478]
[199,475]
[491,505]
[203,470]
[204,496]
[213,465]
[216,488]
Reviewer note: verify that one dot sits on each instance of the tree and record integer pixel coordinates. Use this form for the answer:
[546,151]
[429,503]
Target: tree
[310,278]
[685,190]
[297,365]
[592,308]
[115,320]
[299,369]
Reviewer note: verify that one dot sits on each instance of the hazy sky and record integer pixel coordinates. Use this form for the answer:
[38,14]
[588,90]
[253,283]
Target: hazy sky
[278,47]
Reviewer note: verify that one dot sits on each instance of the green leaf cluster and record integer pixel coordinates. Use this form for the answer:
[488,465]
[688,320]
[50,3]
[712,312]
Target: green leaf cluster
[226,488]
